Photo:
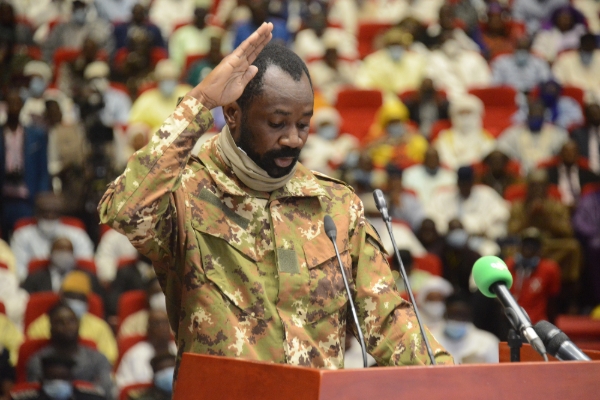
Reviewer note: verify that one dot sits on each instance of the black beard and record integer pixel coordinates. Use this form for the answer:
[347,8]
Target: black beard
[267,160]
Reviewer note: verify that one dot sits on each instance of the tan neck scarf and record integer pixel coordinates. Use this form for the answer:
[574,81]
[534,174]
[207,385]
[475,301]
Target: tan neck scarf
[245,169]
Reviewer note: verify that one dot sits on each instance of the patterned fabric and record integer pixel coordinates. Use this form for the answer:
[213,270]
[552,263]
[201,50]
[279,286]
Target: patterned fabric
[252,274]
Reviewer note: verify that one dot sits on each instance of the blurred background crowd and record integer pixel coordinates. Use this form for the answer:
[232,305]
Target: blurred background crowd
[479,119]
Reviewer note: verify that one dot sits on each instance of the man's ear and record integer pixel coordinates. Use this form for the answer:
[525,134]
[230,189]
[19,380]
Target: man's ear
[233,116]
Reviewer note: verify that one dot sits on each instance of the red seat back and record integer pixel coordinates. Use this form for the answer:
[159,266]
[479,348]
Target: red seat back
[125,393]
[429,263]
[39,303]
[358,109]
[367,32]
[38,264]
[131,302]
[518,192]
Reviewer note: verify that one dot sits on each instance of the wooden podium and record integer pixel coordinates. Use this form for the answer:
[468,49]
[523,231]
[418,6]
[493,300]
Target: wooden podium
[209,377]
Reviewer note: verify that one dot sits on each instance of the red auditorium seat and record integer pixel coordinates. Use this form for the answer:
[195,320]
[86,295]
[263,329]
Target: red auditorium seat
[131,302]
[39,303]
[500,105]
[590,188]
[518,191]
[75,222]
[37,264]
[367,32]
[2,308]
[429,263]
[32,346]
[437,127]
[133,390]
[358,108]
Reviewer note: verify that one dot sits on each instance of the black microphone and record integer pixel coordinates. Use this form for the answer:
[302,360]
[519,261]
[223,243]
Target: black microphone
[558,343]
[493,279]
[331,232]
[382,207]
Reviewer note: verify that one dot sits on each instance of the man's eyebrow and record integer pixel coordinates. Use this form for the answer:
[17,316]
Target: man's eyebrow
[308,113]
[281,112]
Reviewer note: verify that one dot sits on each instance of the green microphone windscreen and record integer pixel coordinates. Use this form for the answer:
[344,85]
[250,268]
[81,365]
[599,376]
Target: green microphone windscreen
[489,270]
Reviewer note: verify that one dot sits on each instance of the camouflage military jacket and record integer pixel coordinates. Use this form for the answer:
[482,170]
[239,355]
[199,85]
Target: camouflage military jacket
[252,274]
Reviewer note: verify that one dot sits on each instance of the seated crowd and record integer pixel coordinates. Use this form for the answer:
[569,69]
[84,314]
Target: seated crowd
[480,121]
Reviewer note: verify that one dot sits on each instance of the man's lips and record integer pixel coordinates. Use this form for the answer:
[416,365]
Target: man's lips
[283,162]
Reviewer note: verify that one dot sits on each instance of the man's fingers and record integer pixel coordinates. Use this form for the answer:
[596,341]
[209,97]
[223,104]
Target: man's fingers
[260,37]
[249,74]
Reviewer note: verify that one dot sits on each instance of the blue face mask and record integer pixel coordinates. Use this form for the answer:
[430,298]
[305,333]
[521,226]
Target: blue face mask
[521,57]
[37,86]
[163,379]
[167,87]
[455,330]
[58,389]
[529,263]
[586,57]
[395,129]
[457,238]
[396,52]
[535,123]
[328,132]
[79,307]
[79,16]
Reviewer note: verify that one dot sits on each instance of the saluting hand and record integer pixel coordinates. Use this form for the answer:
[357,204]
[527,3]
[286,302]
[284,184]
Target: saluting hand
[226,83]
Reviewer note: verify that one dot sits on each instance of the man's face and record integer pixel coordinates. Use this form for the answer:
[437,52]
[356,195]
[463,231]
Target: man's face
[464,187]
[530,248]
[593,114]
[569,153]
[274,127]
[64,326]
[458,311]
[200,17]
[138,14]
[432,159]
[14,104]
[48,207]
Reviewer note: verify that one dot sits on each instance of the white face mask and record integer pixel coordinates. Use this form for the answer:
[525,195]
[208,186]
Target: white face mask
[167,87]
[100,84]
[79,307]
[468,123]
[396,52]
[327,132]
[158,301]
[63,260]
[48,227]
[434,309]
[451,48]
[58,389]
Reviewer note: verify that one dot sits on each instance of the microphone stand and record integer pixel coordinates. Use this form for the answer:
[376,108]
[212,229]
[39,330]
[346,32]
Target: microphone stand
[515,343]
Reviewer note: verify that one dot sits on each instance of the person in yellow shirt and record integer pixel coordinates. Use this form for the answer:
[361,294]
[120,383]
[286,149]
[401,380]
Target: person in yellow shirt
[74,292]
[10,338]
[392,140]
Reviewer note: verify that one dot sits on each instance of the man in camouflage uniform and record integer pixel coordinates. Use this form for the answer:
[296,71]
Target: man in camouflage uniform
[242,256]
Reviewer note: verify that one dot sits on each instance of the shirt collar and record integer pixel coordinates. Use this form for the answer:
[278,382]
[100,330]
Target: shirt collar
[302,184]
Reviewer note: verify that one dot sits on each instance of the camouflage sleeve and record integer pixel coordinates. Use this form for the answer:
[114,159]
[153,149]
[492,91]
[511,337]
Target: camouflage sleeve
[140,203]
[388,322]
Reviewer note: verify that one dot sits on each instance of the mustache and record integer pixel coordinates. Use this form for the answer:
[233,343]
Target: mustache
[282,153]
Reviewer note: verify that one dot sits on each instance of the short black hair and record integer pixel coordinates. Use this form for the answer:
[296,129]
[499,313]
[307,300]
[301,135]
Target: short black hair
[280,56]
[57,307]
[159,358]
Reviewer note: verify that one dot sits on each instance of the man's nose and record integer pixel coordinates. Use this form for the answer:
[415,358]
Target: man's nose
[291,138]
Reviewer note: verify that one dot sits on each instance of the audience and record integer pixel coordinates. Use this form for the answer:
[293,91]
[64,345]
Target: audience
[463,340]
[431,299]
[137,323]
[138,24]
[89,365]
[586,223]
[163,368]
[23,167]
[112,248]
[533,141]
[499,33]
[568,25]
[260,13]
[498,174]
[581,67]
[74,292]
[135,364]
[522,69]
[403,205]
[332,73]
[587,137]
[425,179]
[35,240]
[10,339]
[427,106]
[199,69]
[466,142]
[535,13]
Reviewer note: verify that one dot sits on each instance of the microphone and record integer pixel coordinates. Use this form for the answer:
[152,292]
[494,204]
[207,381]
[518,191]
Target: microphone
[558,343]
[382,207]
[493,279]
[331,232]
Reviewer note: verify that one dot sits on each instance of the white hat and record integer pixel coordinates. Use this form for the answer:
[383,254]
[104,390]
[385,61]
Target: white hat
[467,102]
[97,69]
[38,68]
[327,115]
[434,284]
[166,69]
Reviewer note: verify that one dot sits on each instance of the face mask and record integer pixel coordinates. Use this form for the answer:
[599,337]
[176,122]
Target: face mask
[64,261]
[79,307]
[528,262]
[435,309]
[363,177]
[167,87]
[431,171]
[327,132]
[457,238]
[535,123]
[467,123]
[549,99]
[100,84]
[396,52]
[37,86]
[163,379]
[158,301]
[395,129]
[48,227]
[455,330]
[521,57]
[586,57]
[58,389]
[451,48]
[79,16]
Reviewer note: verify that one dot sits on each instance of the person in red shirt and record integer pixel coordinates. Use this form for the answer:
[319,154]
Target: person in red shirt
[536,280]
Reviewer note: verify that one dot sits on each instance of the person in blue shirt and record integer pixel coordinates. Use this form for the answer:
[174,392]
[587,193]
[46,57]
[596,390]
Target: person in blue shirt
[260,14]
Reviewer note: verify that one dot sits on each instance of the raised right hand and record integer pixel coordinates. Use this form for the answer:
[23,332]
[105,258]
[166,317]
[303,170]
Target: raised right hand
[225,84]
